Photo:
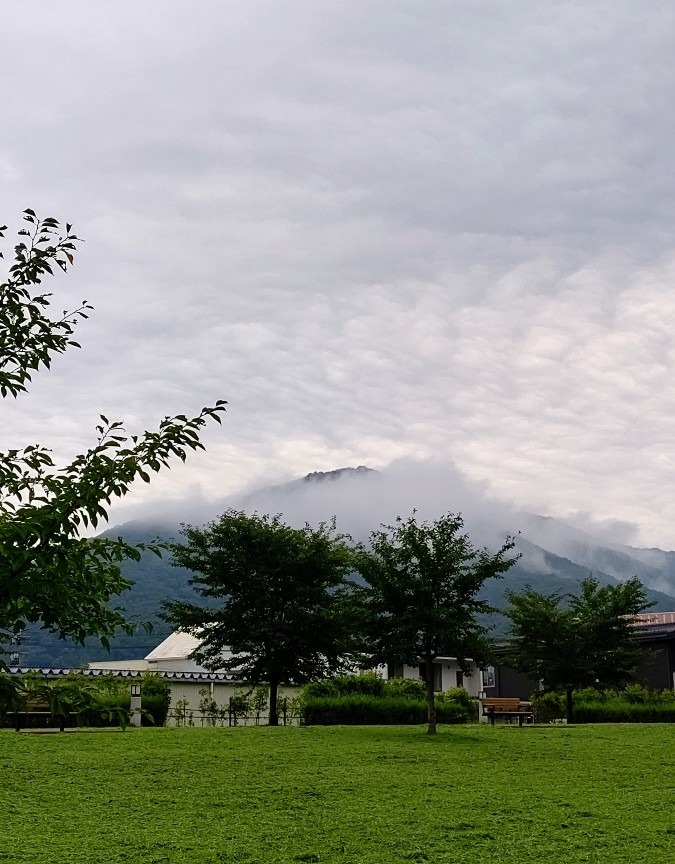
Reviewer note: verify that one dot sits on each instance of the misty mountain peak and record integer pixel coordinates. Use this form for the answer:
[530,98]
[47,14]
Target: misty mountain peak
[336,474]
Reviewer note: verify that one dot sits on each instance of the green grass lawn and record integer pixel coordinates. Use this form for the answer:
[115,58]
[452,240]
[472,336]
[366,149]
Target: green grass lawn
[353,795]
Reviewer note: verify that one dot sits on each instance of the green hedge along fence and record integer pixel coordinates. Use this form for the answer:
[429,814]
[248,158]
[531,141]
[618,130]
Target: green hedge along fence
[367,700]
[634,704]
[360,710]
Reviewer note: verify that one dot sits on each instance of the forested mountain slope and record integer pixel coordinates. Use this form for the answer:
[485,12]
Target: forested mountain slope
[555,556]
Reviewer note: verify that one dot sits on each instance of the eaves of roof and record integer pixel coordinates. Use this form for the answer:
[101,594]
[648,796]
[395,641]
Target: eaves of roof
[655,632]
[50,672]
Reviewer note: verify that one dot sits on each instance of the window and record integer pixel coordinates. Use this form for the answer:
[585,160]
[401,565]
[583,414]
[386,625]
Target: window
[438,675]
[488,676]
[459,678]
[394,670]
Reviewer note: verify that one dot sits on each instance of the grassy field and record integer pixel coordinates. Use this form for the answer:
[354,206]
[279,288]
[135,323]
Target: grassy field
[348,795]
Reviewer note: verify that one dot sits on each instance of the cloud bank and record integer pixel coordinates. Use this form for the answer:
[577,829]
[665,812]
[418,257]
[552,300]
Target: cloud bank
[382,231]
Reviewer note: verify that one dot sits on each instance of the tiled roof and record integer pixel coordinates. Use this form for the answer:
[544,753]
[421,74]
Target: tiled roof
[59,672]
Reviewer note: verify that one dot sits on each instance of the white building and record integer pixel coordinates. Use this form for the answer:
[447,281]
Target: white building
[447,674]
[171,655]
[191,684]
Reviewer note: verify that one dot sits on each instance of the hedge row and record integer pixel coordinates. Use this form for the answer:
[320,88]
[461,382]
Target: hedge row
[634,704]
[363,710]
[365,684]
[616,711]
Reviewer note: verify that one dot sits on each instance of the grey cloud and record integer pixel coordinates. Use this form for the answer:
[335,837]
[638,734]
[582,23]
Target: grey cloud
[379,230]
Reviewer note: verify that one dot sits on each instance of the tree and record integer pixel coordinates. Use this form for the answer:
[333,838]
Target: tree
[420,597]
[49,573]
[568,642]
[282,615]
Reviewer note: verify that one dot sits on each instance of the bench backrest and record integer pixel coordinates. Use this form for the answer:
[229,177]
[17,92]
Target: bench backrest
[500,703]
[36,705]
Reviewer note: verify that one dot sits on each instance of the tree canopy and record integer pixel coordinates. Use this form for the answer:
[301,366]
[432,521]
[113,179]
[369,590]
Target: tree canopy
[49,572]
[570,641]
[282,610]
[420,596]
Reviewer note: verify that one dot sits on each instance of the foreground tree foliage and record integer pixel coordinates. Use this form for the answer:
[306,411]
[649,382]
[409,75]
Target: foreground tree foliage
[569,641]
[48,572]
[283,611]
[420,599]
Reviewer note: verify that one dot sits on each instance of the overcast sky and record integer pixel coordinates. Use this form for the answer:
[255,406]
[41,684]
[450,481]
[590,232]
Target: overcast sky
[381,230]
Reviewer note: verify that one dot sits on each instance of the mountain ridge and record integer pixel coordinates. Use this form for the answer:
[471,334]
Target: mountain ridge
[555,556]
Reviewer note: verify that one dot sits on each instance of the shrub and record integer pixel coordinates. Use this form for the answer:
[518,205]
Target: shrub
[591,694]
[208,708]
[408,688]
[459,696]
[155,699]
[635,693]
[155,710]
[240,706]
[548,707]
[450,712]
[106,710]
[366,684]
[10,698]
[320,689]
[260,702]
[667,696]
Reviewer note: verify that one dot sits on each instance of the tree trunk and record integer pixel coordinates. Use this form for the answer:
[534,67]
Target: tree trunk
[569,705]
[431,696]
[274,712]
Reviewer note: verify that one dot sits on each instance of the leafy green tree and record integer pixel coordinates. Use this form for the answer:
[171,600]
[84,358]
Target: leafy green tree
[420,597]
[282,595]
[49,573]
[569,641]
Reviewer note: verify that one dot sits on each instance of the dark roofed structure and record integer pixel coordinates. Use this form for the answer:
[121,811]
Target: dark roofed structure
[656,631]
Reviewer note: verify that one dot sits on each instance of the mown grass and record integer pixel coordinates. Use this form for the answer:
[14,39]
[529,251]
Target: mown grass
[340,795]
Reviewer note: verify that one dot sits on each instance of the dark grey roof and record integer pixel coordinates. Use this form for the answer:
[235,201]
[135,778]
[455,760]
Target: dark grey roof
[655,632]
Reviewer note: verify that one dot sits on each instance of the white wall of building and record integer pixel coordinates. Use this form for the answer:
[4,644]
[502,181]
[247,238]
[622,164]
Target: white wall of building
[186,697]
[449,675]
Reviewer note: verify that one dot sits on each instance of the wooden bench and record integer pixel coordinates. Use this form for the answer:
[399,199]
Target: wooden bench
[507,707]
[34,708]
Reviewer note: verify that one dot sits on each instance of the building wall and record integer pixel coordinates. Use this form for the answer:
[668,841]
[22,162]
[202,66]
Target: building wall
[120,665]
[187,695]
[449,669]
[656,673]
[452,676]
[510,683]
[658,670]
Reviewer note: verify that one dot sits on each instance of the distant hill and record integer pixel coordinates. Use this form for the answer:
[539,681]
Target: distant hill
[555,556]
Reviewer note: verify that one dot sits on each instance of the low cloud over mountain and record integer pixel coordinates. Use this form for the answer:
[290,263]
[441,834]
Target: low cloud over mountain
[555,554]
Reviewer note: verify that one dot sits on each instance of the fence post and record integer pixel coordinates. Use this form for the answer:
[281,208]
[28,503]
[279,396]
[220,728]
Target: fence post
[283,707]
[229,712]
